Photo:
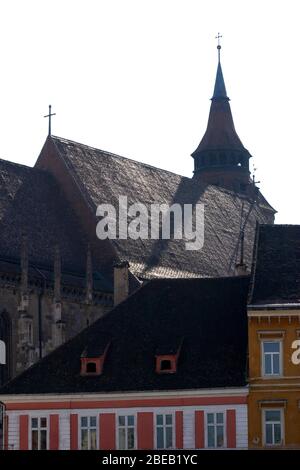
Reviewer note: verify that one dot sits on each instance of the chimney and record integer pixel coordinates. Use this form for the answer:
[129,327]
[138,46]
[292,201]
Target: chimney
[121,282]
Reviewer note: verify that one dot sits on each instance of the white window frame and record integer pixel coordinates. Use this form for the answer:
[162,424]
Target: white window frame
[263,372]
[39,417]
[173,425]
[206,425]
[88,416]
[281,410]
[126,427]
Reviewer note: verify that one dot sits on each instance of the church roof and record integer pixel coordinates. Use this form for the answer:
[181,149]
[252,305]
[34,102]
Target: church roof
[102,177]
[31,203]
[276,269]
[208,315]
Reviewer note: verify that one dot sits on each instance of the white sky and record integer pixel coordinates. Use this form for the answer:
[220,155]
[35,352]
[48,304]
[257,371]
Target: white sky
[134,77]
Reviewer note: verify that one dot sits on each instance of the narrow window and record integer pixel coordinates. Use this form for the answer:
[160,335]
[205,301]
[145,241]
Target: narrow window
[273,427]
[215,429]
[126,432]
[88,432]
[39,433]
[271,358]
[164,431]
[30,333]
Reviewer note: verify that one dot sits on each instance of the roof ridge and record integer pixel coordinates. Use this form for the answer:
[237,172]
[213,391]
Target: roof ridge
[105,152]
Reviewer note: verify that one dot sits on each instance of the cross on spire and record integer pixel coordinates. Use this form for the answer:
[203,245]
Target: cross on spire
[49,116]
[218,37]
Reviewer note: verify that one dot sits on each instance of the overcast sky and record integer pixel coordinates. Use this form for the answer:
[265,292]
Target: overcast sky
[134,77]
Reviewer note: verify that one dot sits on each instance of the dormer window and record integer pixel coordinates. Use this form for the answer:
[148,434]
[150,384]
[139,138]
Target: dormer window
[166,364]
[167,357]
[93,357]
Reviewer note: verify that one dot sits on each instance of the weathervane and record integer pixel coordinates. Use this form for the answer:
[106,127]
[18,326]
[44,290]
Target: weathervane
[219,45]
[49,116]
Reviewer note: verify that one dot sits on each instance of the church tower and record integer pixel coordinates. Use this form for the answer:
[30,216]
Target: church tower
[220,158]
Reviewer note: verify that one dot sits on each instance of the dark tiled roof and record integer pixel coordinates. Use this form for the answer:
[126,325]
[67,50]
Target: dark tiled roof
[210,314]
[102,177]
[32,203]
[276,269]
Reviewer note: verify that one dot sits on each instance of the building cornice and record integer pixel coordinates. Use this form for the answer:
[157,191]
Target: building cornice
[125,396]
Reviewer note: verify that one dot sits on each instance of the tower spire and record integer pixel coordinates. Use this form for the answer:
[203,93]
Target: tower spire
[219,89]
[221,158]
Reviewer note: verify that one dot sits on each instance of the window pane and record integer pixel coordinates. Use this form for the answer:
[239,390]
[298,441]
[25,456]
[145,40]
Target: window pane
[268,365]
[211,436]
[220,417]
[272,415]
[84,439]
[122,420]
[43,437]
[93,421]
[169,437]
[160,437]
[159,419]
[168,419]
[122,438]
[269,438]
[210,418]
[93,439]
[84,422]
[34,440]
[130,420]
[34,423]
[130,438]
[220,436]
[43,422]
[277,434]
[275,363]
[271,346]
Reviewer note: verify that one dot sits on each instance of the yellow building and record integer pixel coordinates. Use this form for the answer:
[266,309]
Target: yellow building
[274,339]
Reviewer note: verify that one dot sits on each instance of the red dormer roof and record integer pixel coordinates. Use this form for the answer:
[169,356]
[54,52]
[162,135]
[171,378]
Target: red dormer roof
[93,356]
[167,356]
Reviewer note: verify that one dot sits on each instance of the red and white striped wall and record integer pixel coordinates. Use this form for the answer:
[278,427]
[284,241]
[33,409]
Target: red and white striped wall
[189,410]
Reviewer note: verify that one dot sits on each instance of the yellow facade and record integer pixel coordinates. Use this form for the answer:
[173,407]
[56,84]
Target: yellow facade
[274,380]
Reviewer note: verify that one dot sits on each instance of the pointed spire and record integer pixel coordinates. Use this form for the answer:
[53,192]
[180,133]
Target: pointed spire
[220,89]
[221,158]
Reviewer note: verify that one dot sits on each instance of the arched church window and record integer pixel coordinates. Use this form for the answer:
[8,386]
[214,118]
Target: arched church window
[5,336]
